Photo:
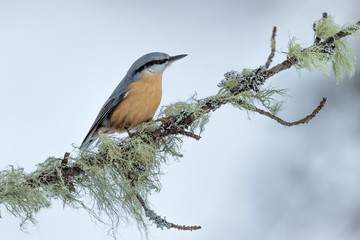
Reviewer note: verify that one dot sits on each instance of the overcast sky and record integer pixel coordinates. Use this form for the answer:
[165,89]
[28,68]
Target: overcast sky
[245,179]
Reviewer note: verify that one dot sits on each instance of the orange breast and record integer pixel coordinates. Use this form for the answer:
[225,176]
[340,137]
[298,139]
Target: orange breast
[140,103]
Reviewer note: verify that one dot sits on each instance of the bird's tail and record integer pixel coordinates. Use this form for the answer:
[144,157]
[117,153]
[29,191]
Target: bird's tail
[89,139]
[87,142]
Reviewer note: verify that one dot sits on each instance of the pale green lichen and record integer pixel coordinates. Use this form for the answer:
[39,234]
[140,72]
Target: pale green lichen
[267,97]
[19,199]
[352,28]
[131,167]
[317,56]
[181,109]
[117,170]
[159,221]
[326,27]
[272,43]
[344,60]
[23,195]
[309,58]
[249,79]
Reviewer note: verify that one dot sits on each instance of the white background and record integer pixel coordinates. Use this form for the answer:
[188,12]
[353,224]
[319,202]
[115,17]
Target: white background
[245,179]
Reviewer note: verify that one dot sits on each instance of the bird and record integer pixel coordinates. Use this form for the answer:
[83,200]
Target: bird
[135,99]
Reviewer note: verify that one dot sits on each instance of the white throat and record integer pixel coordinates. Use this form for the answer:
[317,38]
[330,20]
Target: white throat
[157,68]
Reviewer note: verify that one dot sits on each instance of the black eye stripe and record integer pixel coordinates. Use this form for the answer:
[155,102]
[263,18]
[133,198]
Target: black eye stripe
[151,63]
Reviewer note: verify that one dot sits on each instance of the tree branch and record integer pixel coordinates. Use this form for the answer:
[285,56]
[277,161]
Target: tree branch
[272,54]
[289,124]
[337,36]
[178,125]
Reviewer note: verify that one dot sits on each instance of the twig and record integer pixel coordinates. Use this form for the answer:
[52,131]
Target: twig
[142,202]
[317,39]
[187,228]
[176,129]
[289,124]
[162,222]
[281,67]
[65,159]
[189,134]
[272,54]
[337,36]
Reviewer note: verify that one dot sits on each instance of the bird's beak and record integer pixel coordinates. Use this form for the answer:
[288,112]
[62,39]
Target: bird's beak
[177,57]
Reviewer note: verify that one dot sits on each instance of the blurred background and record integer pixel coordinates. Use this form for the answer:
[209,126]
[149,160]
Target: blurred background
[245,179]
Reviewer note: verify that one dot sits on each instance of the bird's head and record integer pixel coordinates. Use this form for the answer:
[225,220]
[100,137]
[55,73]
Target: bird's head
[154,62]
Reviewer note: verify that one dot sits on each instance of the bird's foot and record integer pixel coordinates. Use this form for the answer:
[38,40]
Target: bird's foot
[163,119]
[130,133]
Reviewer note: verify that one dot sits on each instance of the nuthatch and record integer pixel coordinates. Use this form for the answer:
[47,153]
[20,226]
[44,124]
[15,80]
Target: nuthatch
[135,99]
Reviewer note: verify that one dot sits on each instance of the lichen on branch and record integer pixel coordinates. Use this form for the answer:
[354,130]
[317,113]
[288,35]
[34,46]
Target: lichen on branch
[328,46]
[114,179]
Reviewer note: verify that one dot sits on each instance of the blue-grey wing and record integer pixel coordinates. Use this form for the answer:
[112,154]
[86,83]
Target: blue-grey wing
[101,119]
[116,97]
